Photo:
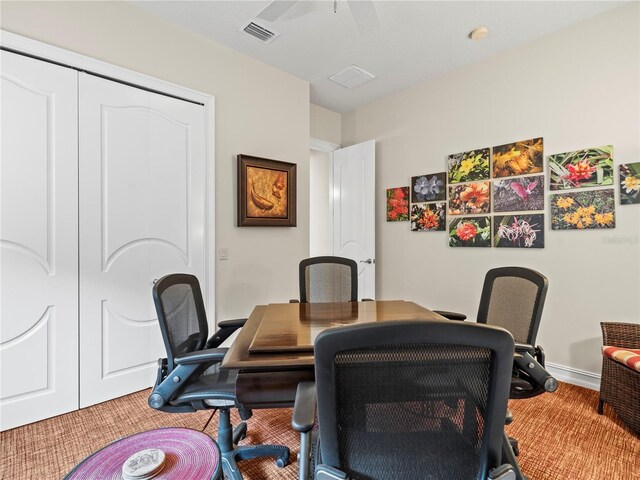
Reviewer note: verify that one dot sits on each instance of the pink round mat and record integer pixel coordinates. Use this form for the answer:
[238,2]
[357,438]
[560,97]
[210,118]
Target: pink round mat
[189,454]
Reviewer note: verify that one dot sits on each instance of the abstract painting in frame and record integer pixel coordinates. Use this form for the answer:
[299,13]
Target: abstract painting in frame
[592,167]
[398,204]
[266,192]
[630,183]
[518,158]
[583,210]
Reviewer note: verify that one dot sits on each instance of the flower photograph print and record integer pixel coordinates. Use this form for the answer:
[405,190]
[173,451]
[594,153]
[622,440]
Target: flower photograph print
[518,231]
[468,166]
[428,188]
[583,210]
[592,167]
[629,183]
[518,194]
[428,217]
[470,232]
[519,158]
[470,198]
[398,204]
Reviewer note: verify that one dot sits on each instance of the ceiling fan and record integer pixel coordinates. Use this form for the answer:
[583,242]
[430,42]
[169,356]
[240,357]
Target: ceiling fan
[363,11]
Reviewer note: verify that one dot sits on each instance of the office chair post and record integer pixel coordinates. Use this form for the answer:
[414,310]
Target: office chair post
[225,441]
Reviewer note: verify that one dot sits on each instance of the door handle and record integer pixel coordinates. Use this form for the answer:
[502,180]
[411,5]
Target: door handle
[368,261]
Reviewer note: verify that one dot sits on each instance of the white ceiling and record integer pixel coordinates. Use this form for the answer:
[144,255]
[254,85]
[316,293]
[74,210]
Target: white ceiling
[408,43]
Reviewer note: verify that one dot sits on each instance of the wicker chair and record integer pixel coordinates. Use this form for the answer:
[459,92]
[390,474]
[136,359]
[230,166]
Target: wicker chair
[619,384]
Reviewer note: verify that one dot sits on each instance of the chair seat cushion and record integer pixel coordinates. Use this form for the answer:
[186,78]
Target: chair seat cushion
[626,356]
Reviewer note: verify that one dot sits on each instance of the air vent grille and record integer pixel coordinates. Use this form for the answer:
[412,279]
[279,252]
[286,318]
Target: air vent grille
[260,32]
[352,76]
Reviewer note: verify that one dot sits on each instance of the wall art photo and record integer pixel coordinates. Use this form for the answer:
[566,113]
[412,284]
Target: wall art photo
[468,166]
[583,210]
[592,167]
[470,198]
[518,231]
[266,192]
[428,217]
[398,204]
[519,158]
[429,188]
[470,232]
[630,183]
[518,194]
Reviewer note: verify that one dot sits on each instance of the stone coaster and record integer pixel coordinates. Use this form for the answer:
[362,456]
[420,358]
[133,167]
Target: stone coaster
[143,465]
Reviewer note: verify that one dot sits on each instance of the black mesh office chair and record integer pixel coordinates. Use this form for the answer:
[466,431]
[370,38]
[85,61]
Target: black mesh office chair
[328,279]
[407,400]
[189,378]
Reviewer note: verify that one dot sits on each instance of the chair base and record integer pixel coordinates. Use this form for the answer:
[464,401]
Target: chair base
[230,459]
[232,453]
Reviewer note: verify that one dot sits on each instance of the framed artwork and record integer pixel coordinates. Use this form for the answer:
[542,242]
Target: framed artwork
[630,183]
[427,217]
[592,167]
[398,204]
[518,194]
[583,210]
[470,198]
[428,188]
[518,231]
[518,158]
[266,192]
[468,166]
[470,232]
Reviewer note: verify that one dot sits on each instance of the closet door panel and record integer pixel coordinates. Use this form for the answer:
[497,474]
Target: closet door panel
[38,241]
[135,199]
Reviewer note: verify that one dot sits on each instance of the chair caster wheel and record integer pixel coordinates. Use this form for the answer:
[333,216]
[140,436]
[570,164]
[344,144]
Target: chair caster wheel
[280,463]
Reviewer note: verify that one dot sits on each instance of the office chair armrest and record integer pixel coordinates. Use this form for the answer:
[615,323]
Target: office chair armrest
[524,347]
[304,407]
[325,472]
[451,315]
[210,355]
[225,330]
[503,472]
[294,300]
[235,323]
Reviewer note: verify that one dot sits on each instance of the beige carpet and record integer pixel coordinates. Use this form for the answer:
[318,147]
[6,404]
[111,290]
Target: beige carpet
[561,438]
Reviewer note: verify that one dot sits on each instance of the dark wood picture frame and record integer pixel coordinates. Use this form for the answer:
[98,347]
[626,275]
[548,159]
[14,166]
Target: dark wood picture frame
[266,192]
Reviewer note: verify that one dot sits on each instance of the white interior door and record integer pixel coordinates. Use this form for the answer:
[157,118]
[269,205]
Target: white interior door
[141,217]
[354,227]
[38,241]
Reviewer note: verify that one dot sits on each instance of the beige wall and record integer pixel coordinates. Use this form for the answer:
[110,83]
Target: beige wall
[577,88]
[326,125]
[259,111]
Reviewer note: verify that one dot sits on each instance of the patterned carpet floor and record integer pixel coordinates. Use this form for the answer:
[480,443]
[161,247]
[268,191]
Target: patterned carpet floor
[561,437]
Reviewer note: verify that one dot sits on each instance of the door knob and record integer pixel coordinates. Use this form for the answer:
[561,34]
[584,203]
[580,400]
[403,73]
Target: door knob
[368,260]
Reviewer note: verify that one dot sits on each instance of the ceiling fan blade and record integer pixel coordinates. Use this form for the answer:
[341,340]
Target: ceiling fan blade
[365,15]
[275,10]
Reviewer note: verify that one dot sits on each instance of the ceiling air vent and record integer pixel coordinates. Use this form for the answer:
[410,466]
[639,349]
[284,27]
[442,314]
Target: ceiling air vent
[261,32]
[352,76]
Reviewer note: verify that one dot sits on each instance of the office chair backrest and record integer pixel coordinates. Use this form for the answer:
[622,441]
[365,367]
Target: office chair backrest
[328,279]
[513,298]
[413,399]
[181,314]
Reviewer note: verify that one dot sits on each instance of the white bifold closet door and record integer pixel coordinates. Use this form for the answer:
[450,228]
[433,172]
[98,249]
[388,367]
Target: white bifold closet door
[38,241]
[142,204]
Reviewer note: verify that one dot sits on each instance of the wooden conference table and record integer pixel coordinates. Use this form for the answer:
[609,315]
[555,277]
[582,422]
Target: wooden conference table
[274,350]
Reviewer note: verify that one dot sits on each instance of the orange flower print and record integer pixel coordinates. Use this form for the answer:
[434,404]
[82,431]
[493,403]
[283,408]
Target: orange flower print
[466,231]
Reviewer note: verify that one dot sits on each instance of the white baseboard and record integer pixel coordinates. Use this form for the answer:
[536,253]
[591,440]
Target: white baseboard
[574,376]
